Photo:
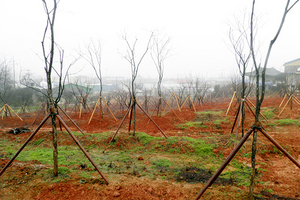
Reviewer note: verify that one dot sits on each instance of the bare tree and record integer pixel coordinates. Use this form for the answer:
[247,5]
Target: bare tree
[135,63]
[242,55]
[81,92]
[121,96]
[49,48]
[93,57]
[197,89]
[6,82]
[260,93]
[160,52]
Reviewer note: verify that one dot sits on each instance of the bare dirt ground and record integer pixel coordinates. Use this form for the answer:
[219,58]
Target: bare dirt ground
[279,174]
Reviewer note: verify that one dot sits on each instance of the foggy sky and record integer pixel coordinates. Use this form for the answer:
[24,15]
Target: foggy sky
[198,32]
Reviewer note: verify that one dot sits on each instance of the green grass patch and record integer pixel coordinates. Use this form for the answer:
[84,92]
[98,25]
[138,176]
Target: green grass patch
[241,173]
[286,122]
[161,162]
[268,112]
[146,139]
[67,155]
[191,124]
[38,142]
[207,116]
[271,125]
[201,147]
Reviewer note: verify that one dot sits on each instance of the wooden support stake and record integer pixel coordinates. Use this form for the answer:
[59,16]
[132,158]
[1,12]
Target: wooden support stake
[15,113]
[177,101]
[109,109]
[172,109]
[282,100]
[239,117]
[296,100]
[230,102]
[193,104]
[235,119]
[255,108]
[152,120]
[113,137]
[224,164]
[80,107]
[82,148]
[167,103]
[285,105]
[184,102]
[94,110]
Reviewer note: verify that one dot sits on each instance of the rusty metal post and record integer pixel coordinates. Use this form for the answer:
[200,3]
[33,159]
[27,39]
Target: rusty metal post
[71,120]
[37,116]
[236,117]
[152,120]
[81,147]
[26,142]
[225,163]
[239,119]
[113,137]
[171,109]
[280,148]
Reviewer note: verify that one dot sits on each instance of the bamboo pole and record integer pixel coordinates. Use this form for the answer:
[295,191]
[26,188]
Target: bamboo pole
[282,100]
[15,113]
[1,109]
[296,100]
[94,110]
[177,101]
[184,102]
[239,117]
[7,108]
[193,104]
[80,107]
[171,109]
[230,102]
[168,103]
[285,105]
[109,109]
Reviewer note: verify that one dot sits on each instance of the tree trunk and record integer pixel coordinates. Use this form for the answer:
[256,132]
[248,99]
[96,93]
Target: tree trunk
[134,115]
[54,141]
[158,106]
[253,170]
[52,109]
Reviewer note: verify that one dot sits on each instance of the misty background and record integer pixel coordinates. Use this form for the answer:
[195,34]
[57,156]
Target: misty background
[198,31]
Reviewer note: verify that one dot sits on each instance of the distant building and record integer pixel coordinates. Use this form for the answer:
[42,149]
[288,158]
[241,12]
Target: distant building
[105,88]
[272,76]
[292,71]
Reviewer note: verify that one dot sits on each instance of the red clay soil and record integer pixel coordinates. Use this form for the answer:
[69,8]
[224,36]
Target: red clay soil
[279,174]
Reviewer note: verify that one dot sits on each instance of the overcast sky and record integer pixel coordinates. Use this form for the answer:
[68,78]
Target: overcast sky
[198,31]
